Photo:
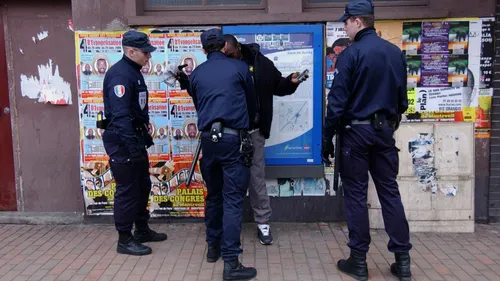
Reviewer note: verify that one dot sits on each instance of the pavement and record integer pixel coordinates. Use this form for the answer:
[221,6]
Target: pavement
[300,252]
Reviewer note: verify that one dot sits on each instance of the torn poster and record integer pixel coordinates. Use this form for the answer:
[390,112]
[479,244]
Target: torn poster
[47,87]
[422,155]
[273,189]
[286,187]
[40,36]
[448,189]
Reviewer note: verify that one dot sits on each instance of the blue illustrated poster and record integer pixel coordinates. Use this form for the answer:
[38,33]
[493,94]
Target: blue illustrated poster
[297,119]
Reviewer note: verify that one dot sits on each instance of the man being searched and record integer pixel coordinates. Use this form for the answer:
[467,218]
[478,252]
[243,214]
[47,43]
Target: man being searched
[268,82]
[125,139]
[223,94]
[365,103]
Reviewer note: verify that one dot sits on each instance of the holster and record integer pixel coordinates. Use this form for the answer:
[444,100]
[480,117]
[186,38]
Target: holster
[102,124]
[379,121]
[246,148]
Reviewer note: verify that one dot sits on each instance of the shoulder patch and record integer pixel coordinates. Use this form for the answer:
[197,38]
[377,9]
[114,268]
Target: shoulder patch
[119,90]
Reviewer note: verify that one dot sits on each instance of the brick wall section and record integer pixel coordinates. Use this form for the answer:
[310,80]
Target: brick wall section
[494,196]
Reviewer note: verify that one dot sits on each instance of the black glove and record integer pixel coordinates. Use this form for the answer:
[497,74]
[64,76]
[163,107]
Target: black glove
[398,121]
[149,140]
[328,151]
[182,77]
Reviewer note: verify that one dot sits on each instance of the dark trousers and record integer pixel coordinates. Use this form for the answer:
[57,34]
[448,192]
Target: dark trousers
[133,187]
[227,179]
[363,150]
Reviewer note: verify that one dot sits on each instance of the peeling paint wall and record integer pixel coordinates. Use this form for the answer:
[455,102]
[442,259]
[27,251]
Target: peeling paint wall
[436,177]
[41,59]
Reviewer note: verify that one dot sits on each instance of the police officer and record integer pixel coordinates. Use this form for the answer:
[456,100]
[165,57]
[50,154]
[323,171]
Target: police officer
[270,83]
[367,98]
[223,94]
[125,139]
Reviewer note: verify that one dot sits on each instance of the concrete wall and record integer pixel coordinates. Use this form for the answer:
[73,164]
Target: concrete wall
[449,149]
[45,136]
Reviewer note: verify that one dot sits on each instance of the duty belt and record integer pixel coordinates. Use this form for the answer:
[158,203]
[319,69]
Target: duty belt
[230,131]
[361,122]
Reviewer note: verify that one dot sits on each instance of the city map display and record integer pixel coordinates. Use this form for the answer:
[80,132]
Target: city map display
[296,128]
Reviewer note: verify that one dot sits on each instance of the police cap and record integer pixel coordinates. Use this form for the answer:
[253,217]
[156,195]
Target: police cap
[357,8]
[137,40]
[212,36]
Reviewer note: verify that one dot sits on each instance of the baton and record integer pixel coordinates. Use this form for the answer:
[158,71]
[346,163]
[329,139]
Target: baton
[338,153]
[336,164]
[193,164]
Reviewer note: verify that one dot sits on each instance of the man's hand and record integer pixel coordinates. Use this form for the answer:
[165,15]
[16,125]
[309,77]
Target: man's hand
[295,78]
[328,151]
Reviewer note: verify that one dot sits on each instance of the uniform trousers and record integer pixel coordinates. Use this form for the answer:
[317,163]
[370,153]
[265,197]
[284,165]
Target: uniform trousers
[226,177]
[364,149]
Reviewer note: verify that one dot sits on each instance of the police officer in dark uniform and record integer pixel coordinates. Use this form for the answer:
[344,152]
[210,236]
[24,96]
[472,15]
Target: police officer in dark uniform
[224,97]
[125,139]
[365,104]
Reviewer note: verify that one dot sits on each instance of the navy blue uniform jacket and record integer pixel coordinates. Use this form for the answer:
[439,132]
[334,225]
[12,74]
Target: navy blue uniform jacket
[125,105]
[222,90]
[370,77]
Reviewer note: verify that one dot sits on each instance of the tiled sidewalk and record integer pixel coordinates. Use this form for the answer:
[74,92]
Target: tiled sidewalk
[300,252]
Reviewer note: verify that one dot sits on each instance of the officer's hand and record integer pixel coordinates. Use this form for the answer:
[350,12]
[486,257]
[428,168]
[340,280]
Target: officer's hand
[398,121]
[149,140]
[328,151]
[183,79]
[295,77]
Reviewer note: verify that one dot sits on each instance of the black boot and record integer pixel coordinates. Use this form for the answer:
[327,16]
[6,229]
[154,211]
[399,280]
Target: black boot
[145,234]
[234,270]
[355,266]
[401,268]
[213,253]
[129,246]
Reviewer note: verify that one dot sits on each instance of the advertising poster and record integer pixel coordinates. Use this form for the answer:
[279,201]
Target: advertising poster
[449,69]
[336,41]
[184,129]
[154,71]
[297,120]
[96,52]
[169,194]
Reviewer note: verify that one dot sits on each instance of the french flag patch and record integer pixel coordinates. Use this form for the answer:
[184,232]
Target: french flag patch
[119,90]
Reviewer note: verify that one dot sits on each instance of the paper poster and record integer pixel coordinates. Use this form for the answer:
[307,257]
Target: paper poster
[184,129]
[448,57]
[96,52]
[170,196]
[336,41]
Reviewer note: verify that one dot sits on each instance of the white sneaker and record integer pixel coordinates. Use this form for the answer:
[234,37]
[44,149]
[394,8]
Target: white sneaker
[264,233]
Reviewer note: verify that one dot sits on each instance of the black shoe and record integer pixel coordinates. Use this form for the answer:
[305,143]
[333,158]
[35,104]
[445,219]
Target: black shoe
[213,253]
[355,266]
[149,235]
[401,268]
[234,270]
[264,233]
[132,247]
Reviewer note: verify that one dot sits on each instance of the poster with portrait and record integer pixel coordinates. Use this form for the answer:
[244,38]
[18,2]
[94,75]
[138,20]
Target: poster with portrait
[154,71]
[96,53]
[336,41]
[184,129]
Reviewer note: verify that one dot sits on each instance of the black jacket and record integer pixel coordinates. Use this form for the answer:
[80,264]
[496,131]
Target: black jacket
[268,82]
